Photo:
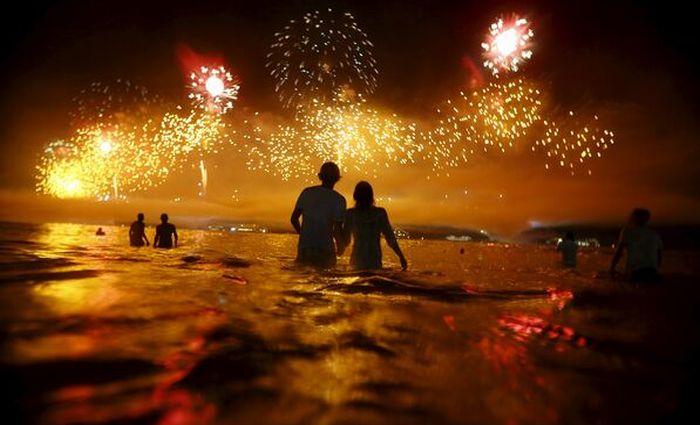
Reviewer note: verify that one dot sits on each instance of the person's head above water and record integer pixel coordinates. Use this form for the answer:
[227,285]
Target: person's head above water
[569,236]
[140,217]
[363,195]
[164,218]
[329,174]
[640,216]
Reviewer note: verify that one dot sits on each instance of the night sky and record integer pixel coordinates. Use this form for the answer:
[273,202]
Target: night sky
[632,64]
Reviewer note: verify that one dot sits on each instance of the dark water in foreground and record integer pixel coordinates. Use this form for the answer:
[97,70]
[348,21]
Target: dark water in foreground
[225,330]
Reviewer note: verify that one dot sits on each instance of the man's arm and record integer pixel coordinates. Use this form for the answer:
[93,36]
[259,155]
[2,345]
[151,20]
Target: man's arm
[295,219]
[143,235]
[175,235]
[156,238]
[345,234]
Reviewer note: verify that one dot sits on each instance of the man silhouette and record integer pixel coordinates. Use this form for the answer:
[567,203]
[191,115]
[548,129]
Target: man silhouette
[323,212]
[164,234]
[643,247]
[137,232]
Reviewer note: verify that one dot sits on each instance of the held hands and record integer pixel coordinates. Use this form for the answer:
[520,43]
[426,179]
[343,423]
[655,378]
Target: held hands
[340,248]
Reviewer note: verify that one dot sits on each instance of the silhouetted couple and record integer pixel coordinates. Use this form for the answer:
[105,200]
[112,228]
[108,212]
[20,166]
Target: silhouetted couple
[327,228]
[165,232]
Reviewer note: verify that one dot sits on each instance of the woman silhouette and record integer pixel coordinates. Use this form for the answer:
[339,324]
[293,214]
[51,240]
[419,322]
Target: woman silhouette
[366,223]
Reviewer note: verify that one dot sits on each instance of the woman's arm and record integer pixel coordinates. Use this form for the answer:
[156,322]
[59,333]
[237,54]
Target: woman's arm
[388,233]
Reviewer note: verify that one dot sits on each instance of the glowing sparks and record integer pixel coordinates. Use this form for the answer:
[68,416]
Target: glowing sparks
[496,117]
[320,54]
[508,45]
[99,162]
[572,142]
[352,134]
[355,135]
[213,89]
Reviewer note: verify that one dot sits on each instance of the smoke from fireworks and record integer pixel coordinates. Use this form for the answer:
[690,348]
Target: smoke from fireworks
[116,102]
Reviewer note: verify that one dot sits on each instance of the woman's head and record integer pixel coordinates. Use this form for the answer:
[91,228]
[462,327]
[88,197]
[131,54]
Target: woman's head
[363,195]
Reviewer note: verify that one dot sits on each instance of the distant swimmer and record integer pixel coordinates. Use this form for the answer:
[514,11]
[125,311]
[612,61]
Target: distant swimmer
[137,232]
[568,248]
[366,223]
[100,232]
[643,247]
[165,232]
[322,210]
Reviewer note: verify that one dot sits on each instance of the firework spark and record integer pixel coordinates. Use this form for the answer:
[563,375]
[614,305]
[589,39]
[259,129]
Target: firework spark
[572,142]
[318,55]
[508,45]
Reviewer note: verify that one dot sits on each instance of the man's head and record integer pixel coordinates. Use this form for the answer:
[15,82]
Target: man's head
[569,236]
[640,216]
[164,218]
[329,174]
[140,217]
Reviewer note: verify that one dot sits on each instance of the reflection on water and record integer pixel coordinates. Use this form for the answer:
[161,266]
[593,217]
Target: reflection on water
[224,329]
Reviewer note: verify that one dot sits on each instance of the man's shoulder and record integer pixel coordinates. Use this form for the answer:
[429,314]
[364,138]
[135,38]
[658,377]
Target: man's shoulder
[379,211]
[338,195]
[309,191]
[324,191]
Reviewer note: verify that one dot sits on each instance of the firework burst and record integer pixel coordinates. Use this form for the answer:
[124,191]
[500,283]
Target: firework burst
[316,56]
[116,102]
[508,45]
[494,118]
[213,89]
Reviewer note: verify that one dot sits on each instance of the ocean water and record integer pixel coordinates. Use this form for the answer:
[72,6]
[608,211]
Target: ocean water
[226,329]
